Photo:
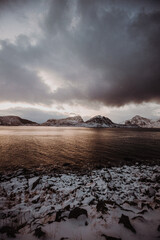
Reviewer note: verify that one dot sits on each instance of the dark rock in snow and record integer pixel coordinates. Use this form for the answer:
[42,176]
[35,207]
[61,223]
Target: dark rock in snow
[131,203]
[10,231]
[39,233]
[35,199]
[151,192]
[2,215]
[91,202]
[146,205]
[58,216]
[110,238]
[76,212]
[101,207]
[126,222]
[21,226]
[143,211]
[140,218]
[67,208]
[35,183]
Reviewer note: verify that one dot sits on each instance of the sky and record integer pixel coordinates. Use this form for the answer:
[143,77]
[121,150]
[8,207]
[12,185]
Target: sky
[61,58]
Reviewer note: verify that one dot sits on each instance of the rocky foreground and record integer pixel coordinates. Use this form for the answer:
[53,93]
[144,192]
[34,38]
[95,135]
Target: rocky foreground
[110,203]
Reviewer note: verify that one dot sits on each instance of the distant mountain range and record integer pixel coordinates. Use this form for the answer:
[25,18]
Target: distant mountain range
[77,121]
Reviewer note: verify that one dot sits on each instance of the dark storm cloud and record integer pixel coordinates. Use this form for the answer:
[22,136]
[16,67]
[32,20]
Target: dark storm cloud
[103,51]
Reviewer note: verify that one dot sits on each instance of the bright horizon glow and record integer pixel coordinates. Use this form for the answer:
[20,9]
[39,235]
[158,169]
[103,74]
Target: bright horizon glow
[123,113]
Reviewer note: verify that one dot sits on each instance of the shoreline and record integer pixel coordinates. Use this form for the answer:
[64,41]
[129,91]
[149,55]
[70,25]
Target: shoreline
[79,168]
[120,202]
[71,168]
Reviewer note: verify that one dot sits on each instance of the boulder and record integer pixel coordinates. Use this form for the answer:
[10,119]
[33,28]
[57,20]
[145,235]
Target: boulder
[126,222]
[76,212]
[101,207]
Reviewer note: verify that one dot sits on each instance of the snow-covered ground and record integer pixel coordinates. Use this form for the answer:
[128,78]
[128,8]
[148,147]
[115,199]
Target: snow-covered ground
[115,203]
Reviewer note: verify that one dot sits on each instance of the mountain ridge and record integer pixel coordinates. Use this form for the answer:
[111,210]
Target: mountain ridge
[97,121]
[15,121]
[69,121]
[142,122]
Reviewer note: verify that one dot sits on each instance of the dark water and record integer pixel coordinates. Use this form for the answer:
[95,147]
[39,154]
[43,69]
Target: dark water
[82,147]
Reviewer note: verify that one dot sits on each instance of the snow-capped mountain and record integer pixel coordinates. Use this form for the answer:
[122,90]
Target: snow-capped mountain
[99,121]
[142,122]
[77,121]
[70,121]
[15,121]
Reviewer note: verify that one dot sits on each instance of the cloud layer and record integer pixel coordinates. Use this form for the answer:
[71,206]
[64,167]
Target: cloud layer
[95,51]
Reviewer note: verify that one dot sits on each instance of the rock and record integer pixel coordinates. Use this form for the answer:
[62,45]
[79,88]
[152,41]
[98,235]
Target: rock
[35,199]
[126,222]
[158,229]
[110,238]
[151,192]
[21,226]
[143,211]
[101,207]
[76,212]
[2,215]
[58,216]
[10,231]
[67,208]
[39,233]
[86,223]
[140,218]
[131,203]
[91,202]
[35,183]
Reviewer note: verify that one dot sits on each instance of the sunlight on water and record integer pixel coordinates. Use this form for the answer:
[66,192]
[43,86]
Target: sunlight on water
[33,146]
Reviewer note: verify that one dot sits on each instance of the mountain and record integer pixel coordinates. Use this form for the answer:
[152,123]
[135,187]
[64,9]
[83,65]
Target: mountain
[70,121]
[15,121]
[142,122]
[77,121]
[99,121]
